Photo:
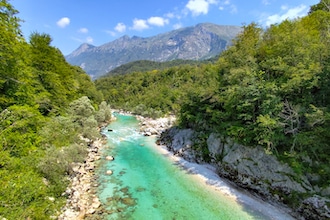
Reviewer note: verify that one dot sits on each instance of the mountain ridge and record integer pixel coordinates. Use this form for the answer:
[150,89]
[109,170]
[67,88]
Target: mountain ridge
[198,42]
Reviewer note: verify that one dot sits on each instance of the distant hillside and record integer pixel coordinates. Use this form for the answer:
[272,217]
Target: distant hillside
[199,42]
[148,65]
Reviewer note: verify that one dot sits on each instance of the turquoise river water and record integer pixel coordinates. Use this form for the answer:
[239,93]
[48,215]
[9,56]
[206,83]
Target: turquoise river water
[146,184]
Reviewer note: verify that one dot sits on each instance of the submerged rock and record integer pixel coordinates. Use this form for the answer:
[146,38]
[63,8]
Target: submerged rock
[110,158]
[128,201]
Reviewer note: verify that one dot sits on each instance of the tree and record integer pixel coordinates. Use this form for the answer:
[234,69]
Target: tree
[103,115]
[82,113]
[266,129]
[11,50]
[324,5]
[19,126]
[51,72]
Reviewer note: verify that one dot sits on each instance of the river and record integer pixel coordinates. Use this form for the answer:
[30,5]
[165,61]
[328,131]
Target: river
[149,184]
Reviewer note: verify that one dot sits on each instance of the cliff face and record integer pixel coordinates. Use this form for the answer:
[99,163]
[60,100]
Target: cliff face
[202,41]
[251,168]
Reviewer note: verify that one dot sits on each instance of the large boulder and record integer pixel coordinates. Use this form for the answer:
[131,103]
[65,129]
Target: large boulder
[180,142]
[150,126]
[253,168]
[315,208]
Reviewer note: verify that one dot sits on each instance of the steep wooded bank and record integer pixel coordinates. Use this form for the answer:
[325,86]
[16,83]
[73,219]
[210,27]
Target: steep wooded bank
[48,109]
[147,65]
[269,90]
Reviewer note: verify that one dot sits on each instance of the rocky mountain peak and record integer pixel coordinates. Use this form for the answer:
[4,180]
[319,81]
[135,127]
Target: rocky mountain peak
[198,42]
[81,49]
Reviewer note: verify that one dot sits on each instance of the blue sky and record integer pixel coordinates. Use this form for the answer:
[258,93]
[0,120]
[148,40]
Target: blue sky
[73,22]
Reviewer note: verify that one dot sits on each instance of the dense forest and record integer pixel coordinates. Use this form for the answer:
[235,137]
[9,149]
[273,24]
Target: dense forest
[270,88]
[148,65]
[46,106]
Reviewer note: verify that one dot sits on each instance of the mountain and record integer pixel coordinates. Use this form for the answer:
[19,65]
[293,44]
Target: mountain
[198,42]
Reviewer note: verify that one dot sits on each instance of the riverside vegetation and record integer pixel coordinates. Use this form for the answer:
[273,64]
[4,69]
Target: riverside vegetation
[48,109]
[269,89]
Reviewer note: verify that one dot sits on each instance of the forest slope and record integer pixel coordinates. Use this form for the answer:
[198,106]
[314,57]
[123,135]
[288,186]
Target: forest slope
[269,89]
[46,106]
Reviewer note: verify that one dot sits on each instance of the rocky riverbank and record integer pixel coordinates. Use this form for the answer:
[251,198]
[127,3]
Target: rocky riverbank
[149,126]
[250,168]
[82,202]
[229,160]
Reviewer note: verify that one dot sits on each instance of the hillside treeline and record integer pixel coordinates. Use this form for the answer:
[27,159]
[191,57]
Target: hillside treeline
[46,106]
[271,88]
[148,65]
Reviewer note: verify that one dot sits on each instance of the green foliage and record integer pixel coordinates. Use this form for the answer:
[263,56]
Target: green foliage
[39,137]
[157,92]
[18,125]
[270,88]
[82,114]
[80,109]
[85,86]
[24,195]
[58,132]
[103,115]
[11,47]
[56,164]
[273,89]
[147,65]
[324,5]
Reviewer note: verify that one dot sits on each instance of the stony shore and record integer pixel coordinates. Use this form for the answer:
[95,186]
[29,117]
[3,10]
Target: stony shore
[207,174]
[82,202]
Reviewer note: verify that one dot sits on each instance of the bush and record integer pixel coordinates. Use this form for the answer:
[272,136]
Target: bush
[57,163]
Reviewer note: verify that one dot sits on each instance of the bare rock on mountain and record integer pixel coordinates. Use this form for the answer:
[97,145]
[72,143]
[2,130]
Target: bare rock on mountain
[199,42]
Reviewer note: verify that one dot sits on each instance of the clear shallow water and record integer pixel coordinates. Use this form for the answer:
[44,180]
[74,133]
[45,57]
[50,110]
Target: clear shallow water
[145,184]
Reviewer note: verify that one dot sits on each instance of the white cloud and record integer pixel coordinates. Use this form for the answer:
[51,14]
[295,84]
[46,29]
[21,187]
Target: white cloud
[120,27]
[289,13]
[173,15]
[139,24]
[197,7]
[89,40]
[158,21]
[227,5]
[111,33]
[63,22]
[170,15]
[233,9]
[177,26]
[265,2]
[83,30]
